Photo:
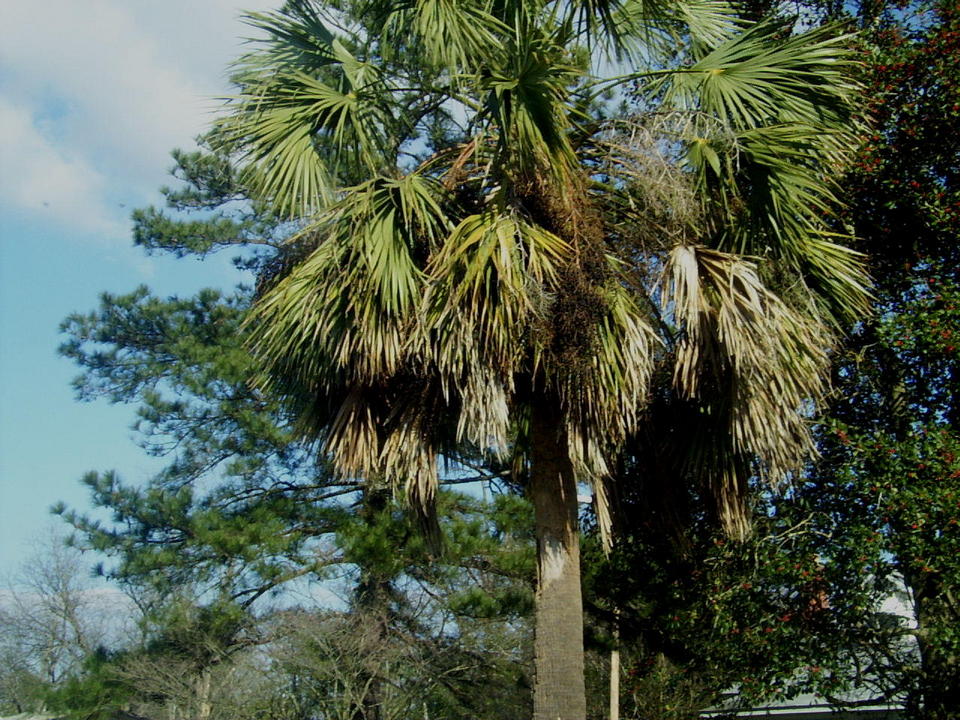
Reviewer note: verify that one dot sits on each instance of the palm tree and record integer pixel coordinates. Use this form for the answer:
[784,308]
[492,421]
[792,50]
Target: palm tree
[481,256]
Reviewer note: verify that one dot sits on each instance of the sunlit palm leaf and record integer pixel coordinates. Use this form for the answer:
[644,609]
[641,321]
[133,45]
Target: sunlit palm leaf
[647,29]
[709,22]
[758,77]
[613,390]
[772,190]
[302,133]
[295,37]
[345,310]
[455,34]
[743,349]
[488,290]
[527,99]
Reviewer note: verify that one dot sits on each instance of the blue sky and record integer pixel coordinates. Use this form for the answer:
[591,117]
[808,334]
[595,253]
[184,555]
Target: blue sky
[93,96]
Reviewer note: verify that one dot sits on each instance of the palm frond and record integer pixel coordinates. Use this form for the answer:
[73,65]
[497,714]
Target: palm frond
[304,133]
[709,22]
[486,412]
[346,309]
[757,77]
[527,101]
[608,396]
[772,194]
[490,280]
[295,37]
[768,359]
[590,467]
[650,31]
[456,35]
[352,434]
[604,402]
[391,433]
[409,454]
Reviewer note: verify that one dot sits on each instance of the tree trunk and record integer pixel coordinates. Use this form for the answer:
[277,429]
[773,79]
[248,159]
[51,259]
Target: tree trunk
[204,701]
[939,686]
[615,668]
[372,609]
[558,643]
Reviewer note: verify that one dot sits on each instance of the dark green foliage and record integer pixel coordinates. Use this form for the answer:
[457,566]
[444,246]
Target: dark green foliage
[906,190]
[94,694]
[183,363]
[767,615]
[211,211]
[891,471]
[890,450]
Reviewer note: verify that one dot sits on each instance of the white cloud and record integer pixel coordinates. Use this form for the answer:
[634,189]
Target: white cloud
[98,92]
[37,177]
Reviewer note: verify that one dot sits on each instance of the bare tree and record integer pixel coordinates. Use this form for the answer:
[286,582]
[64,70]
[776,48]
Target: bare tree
[52,616]
[344,669]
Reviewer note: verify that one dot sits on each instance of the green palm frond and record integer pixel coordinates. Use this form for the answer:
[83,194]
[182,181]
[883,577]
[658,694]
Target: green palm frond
[303,133]
[709,22]
[648,29]
[346,309]
[771,192]
[768,184]
[489,286]
[789,209]
[838,275]
[757,77]
[295,37]
[527,101]
[613,389]
[454,34]
[781,132]
[648,33]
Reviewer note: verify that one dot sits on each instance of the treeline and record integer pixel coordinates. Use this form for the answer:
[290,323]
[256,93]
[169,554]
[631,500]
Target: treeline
[227,557]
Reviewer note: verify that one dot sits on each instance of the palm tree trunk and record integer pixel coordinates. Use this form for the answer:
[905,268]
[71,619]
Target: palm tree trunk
[558,644]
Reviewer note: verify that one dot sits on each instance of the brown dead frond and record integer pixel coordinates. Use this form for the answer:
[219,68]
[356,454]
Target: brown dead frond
[643,158]
[756,363]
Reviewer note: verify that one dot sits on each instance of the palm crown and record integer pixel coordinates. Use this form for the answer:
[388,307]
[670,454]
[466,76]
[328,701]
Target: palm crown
[480,243]
[524,245]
